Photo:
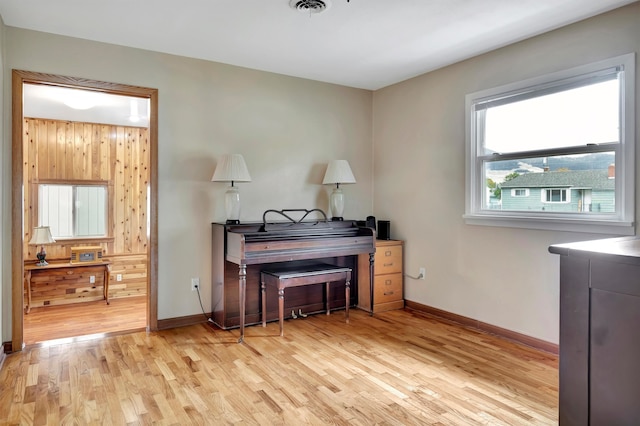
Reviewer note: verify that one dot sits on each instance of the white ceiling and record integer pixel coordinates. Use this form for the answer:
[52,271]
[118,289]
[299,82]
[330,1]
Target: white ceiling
[366,44]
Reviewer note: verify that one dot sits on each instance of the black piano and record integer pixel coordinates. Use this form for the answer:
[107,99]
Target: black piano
[240,251]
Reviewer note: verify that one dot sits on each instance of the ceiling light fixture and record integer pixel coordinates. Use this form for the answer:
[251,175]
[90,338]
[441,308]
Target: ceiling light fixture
[80,99]
[79,103]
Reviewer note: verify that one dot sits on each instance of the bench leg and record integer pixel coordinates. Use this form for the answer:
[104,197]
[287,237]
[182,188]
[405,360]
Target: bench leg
[281,310]
[263,287]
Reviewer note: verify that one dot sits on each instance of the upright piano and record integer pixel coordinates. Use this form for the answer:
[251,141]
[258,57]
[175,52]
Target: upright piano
[240,251]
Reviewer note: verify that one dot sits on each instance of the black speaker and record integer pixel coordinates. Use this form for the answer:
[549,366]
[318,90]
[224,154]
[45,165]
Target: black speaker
[384,230]
[371,222]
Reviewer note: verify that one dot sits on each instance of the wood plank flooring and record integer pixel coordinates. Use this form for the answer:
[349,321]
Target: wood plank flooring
[82,319]
[398,367]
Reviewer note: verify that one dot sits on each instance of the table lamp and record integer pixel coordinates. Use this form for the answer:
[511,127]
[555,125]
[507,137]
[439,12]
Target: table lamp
[232,168]
[338,171]
[41,236]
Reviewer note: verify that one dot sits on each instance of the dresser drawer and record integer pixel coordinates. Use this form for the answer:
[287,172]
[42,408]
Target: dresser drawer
[388,259]
[388,288]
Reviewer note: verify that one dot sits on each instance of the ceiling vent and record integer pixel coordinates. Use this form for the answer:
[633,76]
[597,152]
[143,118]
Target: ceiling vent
[310,6]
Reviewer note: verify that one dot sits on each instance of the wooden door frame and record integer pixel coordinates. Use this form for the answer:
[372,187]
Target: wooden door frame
[19,78]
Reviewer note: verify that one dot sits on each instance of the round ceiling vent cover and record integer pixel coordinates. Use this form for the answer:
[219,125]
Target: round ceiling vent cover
[310,6]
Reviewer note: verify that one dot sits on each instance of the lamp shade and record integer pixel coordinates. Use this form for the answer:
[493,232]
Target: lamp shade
[231,168]
[338,171]
[41,235]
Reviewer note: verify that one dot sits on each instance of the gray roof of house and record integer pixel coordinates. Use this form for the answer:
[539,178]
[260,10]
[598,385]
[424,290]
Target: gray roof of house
[592,179]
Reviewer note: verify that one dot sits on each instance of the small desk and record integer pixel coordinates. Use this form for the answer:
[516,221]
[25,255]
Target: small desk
[299,275]
[70,267]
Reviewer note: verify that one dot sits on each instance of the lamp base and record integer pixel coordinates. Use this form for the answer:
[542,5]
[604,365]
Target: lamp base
[41,257]
[232,205]
[336,202]
[337,219]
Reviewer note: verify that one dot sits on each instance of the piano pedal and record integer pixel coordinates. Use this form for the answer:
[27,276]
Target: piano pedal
[293,314]
[301,314]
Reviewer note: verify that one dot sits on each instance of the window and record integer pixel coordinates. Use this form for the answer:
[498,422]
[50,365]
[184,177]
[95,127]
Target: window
[562,139]
[554,196]
[73,211]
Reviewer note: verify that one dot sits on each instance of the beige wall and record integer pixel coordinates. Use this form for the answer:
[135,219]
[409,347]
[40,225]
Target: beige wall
[501,276]
[5,242]
[286,128]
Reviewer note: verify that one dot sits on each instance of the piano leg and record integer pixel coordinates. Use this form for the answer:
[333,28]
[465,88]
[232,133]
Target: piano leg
[347,296]
[327,288]
[263,288]
[242,290]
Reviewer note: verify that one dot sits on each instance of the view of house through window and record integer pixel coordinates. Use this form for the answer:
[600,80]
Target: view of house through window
[579,119]
[553,149]
[73,211]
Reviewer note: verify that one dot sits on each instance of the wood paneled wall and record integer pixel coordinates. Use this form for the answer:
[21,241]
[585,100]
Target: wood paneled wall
[70,152]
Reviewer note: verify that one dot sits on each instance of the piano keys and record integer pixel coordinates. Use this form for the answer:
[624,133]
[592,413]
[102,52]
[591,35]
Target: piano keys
[239,252]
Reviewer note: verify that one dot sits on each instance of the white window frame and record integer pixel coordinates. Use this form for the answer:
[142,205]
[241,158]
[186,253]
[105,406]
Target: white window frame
[620,223]
[544,197]
[514,192]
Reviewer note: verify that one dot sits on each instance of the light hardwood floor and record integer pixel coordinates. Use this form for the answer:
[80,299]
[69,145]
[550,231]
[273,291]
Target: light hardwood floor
[397,367]
[82,319]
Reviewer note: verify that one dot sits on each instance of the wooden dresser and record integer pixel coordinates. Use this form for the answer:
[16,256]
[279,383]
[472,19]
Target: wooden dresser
[387,278]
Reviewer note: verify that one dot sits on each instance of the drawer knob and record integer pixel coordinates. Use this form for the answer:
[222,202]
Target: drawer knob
[388,293]
[388,264]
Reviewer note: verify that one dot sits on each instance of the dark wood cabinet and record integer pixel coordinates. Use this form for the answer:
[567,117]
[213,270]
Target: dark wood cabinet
[599,342]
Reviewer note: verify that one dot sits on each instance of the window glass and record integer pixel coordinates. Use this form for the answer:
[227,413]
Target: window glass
[574,117]
[73,211]
[555,195]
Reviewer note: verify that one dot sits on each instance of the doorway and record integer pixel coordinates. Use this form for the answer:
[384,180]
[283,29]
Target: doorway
[23,213]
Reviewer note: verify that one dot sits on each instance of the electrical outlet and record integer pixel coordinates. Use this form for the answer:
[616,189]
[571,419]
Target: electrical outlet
[195,284]
[119,277]
[92,279]
[421,273]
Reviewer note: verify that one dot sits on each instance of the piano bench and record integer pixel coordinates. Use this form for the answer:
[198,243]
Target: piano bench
[295,275]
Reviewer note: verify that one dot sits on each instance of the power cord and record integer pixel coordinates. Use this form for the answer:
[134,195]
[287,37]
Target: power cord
[419,277]
[202,307]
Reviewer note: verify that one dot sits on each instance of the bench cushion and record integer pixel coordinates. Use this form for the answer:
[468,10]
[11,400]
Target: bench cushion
[303,270]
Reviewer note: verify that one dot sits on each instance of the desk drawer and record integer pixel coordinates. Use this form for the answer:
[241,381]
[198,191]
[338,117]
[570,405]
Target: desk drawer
[388,288]
[388,259]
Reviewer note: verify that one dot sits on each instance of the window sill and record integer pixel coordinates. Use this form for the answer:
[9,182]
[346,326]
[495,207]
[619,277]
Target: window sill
[609,227]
